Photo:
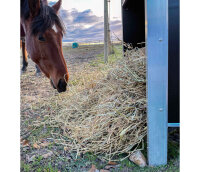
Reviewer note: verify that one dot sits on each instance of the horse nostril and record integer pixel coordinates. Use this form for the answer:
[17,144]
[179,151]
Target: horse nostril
[62,85]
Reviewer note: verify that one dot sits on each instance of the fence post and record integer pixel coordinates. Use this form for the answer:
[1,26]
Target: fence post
[105,31]
[157,80]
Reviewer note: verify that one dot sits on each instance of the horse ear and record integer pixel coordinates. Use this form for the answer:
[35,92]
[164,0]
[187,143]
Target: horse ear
[57,6]
[34,6]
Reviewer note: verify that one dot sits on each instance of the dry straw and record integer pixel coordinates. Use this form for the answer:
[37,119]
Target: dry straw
[105,113]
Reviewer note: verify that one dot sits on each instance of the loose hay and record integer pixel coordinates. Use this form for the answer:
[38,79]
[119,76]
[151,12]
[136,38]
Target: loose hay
[105,114]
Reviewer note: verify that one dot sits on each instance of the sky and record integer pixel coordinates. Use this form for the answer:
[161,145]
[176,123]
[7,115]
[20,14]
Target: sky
[84,21]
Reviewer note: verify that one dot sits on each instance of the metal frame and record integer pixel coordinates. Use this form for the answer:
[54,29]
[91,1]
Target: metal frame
[157,80]
[173,124]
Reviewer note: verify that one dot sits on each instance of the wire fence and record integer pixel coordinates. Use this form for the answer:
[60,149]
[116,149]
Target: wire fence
[99,42]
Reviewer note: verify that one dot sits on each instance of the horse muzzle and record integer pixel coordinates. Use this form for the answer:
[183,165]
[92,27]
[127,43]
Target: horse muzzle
[62,86]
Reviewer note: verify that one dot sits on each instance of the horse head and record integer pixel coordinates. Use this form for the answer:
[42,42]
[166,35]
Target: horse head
[43,34]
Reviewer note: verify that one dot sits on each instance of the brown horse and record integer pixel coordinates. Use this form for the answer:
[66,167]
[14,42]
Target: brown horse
[43,32]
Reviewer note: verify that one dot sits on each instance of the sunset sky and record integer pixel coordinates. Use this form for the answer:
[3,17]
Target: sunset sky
[84,19]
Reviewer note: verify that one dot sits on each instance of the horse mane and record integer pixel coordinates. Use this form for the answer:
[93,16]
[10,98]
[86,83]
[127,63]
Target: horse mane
[46,18]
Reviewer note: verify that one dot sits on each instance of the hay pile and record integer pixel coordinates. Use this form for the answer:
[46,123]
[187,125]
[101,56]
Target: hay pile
[108,116]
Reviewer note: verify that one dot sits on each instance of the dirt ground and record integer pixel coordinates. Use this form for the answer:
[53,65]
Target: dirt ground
[38,150]
[83,54]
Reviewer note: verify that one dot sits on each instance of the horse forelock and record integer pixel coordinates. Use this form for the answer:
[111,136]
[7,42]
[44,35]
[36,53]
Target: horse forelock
[24,11]
[46,18]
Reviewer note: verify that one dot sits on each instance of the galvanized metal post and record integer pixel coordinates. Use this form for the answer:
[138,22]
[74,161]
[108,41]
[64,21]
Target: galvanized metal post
[105,31]
[157,80]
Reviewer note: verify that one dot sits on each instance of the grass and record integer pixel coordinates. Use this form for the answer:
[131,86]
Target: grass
[36,168]
[84,162]
[112,58]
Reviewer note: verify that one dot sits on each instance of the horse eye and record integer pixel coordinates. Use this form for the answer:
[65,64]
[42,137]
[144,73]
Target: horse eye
[41,38]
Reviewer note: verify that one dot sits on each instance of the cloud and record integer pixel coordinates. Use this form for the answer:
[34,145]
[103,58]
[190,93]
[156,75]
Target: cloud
[85,26]
[85,17]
